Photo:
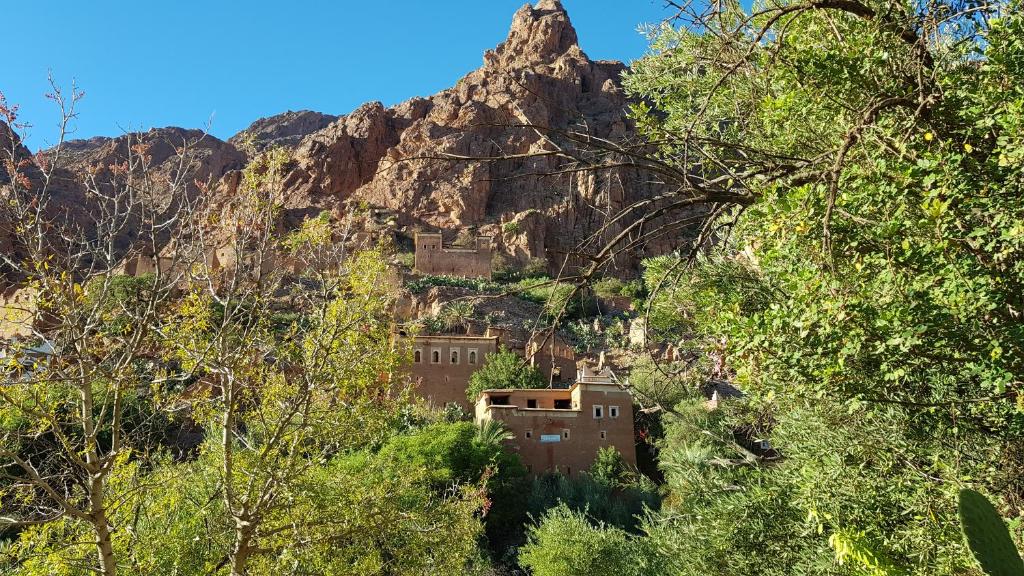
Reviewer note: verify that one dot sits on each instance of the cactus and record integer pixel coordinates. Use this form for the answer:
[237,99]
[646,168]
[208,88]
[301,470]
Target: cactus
[988,536]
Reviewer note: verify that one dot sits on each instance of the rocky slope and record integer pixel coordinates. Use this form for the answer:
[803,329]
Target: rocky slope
[421,159]
[538,76]
[285,130]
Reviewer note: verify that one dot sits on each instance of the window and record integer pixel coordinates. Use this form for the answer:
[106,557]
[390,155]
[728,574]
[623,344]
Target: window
[417,356]
[454,356]
[604,434]
[529,434]
[561,404]
[613,411]
[565,433]
[598,411]
[531,402]
[472,356]
[500,400]
[435,356]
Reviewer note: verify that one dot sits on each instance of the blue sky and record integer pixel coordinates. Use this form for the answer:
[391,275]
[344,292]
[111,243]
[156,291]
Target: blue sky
[148,63]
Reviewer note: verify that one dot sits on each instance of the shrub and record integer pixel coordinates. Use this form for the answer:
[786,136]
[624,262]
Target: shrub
[422,284]
[451,453]
[503,369]
[566,543]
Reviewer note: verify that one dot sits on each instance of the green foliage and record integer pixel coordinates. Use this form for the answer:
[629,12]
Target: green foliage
[620,501]
[501,370]
[511,227]
[987,535]
[507,272]
[424,283]
[449,453]
[611,287]
[406,259]
[566,543]
[312,234]
[608,468]
[864,292]
[560,299]
[120,300]
[852,546]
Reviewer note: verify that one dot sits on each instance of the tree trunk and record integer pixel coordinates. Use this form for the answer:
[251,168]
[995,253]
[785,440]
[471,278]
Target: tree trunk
[241,550]
[101,528]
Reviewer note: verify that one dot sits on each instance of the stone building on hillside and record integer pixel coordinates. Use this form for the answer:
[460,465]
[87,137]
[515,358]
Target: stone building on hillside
[442,364]
[432,257]
[552,355]
[562,430]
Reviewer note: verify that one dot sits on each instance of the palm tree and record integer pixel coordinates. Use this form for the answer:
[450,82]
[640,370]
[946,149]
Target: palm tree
[492,433]
[458,314]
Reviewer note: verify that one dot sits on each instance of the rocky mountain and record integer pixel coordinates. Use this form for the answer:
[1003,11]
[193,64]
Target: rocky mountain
[538,76]
[211,158]
[477,155]
[285,130]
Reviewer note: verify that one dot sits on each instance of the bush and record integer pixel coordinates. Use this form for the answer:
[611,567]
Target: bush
[406,259]
[566,543]
[420,285]
[501,370]
[608,287]
[451,453]
[559,299]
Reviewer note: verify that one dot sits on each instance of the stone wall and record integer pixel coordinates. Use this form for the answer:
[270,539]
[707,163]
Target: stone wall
[433,258]
[553,356]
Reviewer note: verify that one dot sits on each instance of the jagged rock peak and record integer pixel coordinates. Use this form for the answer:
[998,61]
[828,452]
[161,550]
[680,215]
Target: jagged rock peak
[539,34]
[286,129]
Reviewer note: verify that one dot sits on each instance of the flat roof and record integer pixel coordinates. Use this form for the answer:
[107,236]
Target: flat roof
[447,337]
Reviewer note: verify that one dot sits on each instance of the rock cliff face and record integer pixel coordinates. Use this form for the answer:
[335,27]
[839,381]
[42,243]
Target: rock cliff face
[472,156]
[212,158]
[286,130]
[539,77]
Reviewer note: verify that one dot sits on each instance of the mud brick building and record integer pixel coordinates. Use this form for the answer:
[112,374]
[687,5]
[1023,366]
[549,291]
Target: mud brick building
[562,430]
[442,364]
[433,258]
[553,356]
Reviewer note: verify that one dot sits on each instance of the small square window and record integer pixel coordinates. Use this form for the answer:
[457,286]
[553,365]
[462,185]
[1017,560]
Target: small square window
[598,411]
[531,402]
[604,434]
[565,433]
[529,434]
[613,411]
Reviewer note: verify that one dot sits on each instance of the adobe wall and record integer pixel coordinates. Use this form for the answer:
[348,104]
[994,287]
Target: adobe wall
[445,381]
[567,441]
[553,356]
[433,258]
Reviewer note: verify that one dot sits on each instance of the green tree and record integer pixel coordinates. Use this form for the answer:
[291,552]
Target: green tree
[452,453]
[565,543]
[863,182]
[503,370]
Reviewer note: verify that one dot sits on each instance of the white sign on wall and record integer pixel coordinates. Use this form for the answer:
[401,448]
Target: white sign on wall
[548,438]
